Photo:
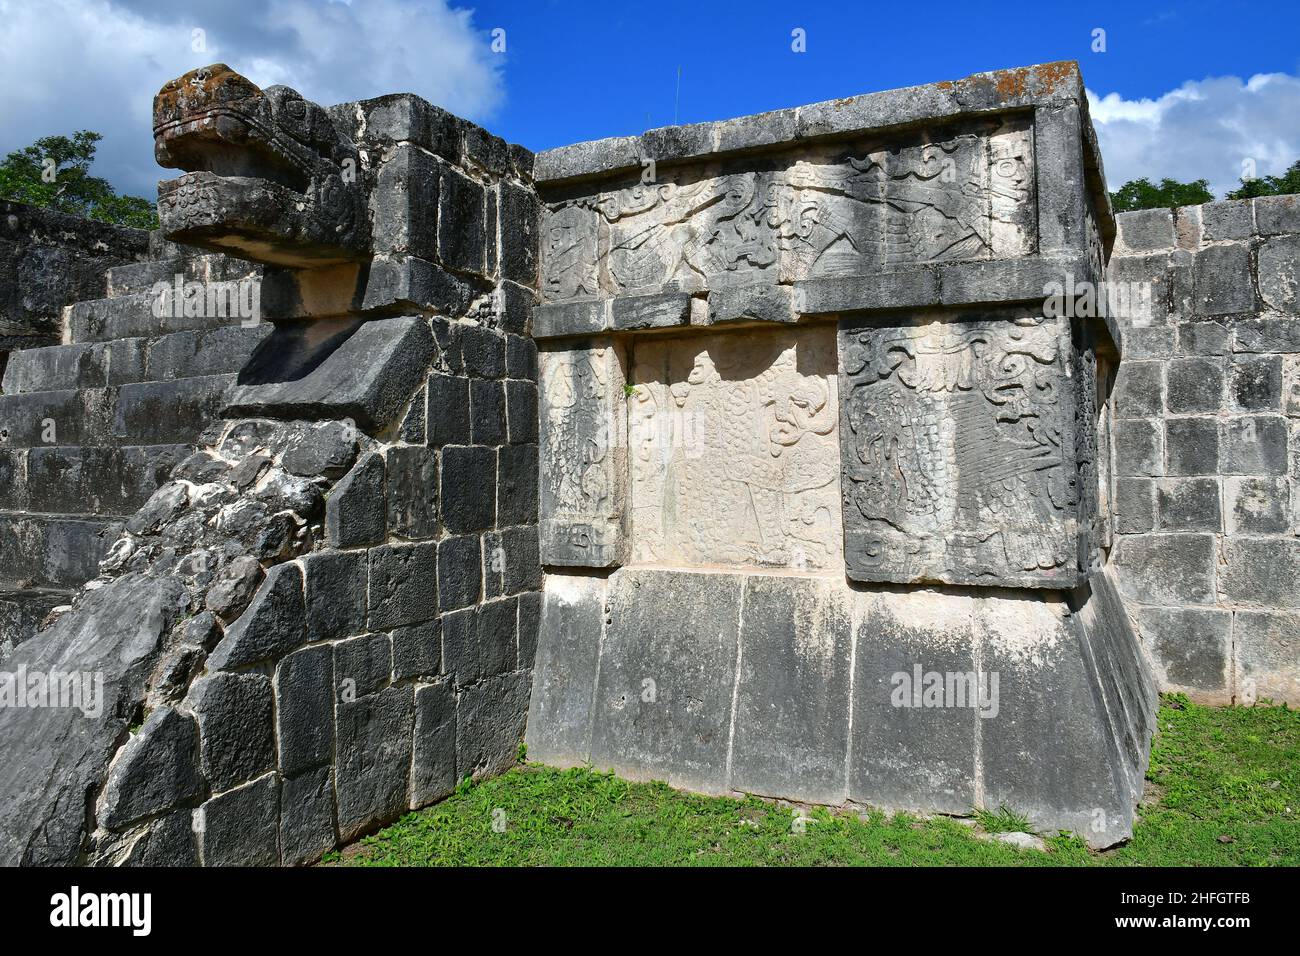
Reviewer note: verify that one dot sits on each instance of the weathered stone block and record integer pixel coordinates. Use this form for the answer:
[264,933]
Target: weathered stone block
[792,698]
[1219,288]
[403,585]
[565,670]
[1146,229]
[658,311]
[1261,572]
[362,665]
[1206,337]
[373,757]
[1139,389]
[462,238]
[667,673]
[417,650]
[1266,656]
[1278,282]
[759,303]
[1138,447]
[521,406]
[583,457]
[448,413]
[511,561]
[1254,445]
[1275,214]
[571,318]
[1256,383]
[460,572]
[356,508]
[1134,505]
[490,720]
[433,765]
[237,735]
[1191,446]
[1257,505]
[412,492]
[1189,504]
[521,357]
[516,485]
[406,200]
[1194,385]
[307,817]
[482,351]
[520,234]
[335,593]
[157,770]
[1233,219]
[905,751]
[467,488]
[271,626]
[487,412]
[1191,646]
[241,827]
[1266,334]
[1167,568]
[304,708]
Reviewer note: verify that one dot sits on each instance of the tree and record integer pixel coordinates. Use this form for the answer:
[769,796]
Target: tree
[1288,182]
[54,172]
[1140,194]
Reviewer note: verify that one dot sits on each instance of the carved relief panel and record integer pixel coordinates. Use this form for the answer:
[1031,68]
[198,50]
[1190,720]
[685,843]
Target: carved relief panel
[734,450]
[958,443]
[583,456]
[950,194]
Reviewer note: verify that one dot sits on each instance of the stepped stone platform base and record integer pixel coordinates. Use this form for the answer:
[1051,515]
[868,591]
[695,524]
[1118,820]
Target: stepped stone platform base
[809,688]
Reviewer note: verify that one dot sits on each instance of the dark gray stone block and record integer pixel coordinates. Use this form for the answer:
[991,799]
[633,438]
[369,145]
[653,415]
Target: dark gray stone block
[467,489]
[758,303]
[1219,289]
[1276,214]
[1255,383]
[373,759]
[356,508]
[362,665]
[1189,504]
[658,311]
[1134,505]
[1192,645]
[157,770]
[515,311]
[1194,385]
[1138,448]
[482,351]
[460,572]
[461,657]
[1139,388]
[270,627]
[433,764]
[1146,229]
[1167,568]
[792,699]
[335,593]
[521,357]
[677,631]
[461,231]
[417,650]
[241,827]
[169,841]
[1254,445]
[1257,505]
[237,739]
[320,448]
[1261,572]
[571,318]
[490,720]
[1192,446]
[517,474]
[304,708]
[403,585]
[412,493]
[521,404]
[369,378]
[511,561]
[1233,219]
[1266,334]
[448,414]
[520,234]
[487,412]
[307,817]
[530,613]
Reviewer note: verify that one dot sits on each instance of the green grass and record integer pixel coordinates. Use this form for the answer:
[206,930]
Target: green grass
[1223,789]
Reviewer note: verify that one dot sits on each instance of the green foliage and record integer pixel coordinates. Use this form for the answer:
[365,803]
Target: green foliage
[54,173]
[1223,790]
[1140,194]
[1002,820]
[1287,183]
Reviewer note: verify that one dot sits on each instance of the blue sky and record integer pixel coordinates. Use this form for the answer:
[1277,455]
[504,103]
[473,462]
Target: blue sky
[1187,89]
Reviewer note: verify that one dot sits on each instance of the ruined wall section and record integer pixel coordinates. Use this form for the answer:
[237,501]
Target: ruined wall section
[1207,444]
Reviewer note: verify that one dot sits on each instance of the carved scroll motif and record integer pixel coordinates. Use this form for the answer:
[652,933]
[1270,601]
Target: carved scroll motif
[958,451]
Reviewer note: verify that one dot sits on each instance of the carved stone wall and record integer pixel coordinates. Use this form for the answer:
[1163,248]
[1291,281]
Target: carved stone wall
[734,454]
[957,441]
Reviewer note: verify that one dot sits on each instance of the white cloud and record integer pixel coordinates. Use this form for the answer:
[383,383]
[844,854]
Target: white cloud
[1205,129]
[96,64]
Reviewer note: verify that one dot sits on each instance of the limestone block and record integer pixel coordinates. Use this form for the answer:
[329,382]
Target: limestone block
[958,451]
[734,450]
[241,826]
[304,708]
[583,456]
[373,756]
[307,816]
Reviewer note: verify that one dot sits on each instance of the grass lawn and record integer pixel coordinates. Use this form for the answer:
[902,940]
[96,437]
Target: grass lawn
[1223,789]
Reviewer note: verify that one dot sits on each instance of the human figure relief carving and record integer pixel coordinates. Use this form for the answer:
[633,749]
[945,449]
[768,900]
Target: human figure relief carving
[581,467]
[735,458]
[834,211]
[958,454]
